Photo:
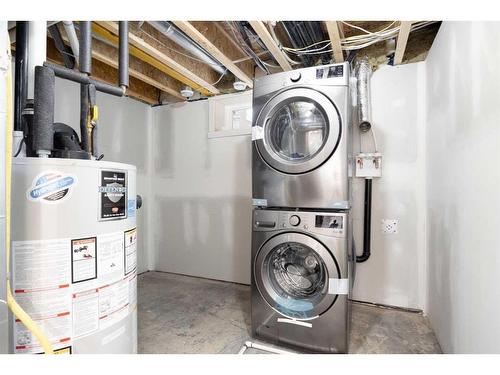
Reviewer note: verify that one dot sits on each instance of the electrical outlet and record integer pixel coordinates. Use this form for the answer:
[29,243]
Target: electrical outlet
[389,226]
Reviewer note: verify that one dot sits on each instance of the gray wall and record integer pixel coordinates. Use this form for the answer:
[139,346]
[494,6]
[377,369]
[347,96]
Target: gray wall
[3,124]
[202,192]
[124,129]
[395,272]
[463,179]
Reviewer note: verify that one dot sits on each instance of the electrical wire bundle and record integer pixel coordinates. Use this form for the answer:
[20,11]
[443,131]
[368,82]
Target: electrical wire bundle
[240,32]
[355,42]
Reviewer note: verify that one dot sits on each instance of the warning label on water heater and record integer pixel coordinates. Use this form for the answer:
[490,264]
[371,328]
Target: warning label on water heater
[74,287]
[113,195]
[83,259]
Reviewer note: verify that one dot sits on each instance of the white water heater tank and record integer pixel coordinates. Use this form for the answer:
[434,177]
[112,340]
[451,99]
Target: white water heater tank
[74,254]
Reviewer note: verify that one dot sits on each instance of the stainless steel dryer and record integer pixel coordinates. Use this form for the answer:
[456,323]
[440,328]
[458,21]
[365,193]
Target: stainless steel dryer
[300,134]
[301,279]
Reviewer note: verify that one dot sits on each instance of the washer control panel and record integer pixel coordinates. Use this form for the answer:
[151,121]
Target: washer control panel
[325,223]
[294,220]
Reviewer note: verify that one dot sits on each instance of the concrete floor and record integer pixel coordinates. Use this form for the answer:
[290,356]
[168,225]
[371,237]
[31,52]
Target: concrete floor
[182,314]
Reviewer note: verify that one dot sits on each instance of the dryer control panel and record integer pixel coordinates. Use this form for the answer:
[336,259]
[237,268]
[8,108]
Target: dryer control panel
[325,75]
[325,223]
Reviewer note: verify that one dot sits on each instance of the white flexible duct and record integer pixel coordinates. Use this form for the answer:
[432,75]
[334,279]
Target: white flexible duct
[69,27]
[363,89]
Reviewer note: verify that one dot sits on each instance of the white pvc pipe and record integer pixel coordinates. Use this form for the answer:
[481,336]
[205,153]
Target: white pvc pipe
[265,348]
[37,51]
[69,27]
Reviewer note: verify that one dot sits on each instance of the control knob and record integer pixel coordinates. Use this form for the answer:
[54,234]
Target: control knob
[295,76]
[294,220]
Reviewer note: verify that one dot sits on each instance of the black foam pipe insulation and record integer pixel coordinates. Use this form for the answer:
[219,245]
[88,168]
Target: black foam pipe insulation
[85,47]
[43,117]
[123,53]
[73,75]
[85,68]
[367,223]
[21,78]
[84,113]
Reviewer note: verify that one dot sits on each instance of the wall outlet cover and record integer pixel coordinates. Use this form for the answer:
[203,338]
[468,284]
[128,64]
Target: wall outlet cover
[389,226]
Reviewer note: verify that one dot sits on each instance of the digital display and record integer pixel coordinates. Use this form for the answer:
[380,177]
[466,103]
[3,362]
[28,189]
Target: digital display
[330,222]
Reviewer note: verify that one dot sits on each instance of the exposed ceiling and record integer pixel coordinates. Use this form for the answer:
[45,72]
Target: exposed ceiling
[160,67]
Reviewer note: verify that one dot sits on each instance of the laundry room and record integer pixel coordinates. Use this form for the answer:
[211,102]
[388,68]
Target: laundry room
[324,184]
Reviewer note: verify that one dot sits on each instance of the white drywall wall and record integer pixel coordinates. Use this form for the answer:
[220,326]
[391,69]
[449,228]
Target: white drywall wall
[124,128]
[463,179]
[202,193]
[395,272]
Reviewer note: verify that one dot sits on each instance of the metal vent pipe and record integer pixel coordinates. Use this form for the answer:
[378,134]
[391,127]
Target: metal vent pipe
[363,89]
[176,36]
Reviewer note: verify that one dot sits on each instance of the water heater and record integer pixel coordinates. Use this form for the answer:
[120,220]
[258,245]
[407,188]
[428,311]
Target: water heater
[74,254]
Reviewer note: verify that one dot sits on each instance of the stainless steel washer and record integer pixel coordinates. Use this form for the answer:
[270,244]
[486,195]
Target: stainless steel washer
[301,279]
[300,133]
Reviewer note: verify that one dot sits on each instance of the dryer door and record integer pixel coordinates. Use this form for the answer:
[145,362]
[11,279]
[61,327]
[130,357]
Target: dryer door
[292,271]
[298,130]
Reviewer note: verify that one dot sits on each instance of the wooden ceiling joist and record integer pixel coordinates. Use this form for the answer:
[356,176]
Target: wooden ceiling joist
[402,40]
[334,33]
[149,54]
[208,46]
[137,69]
[223,41]
[228,37]
[271,45]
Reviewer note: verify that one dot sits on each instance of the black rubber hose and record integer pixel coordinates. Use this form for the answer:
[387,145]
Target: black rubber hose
[21,79]
[85,47]
[367,223]
[43,117]
[123,53]
[73,75]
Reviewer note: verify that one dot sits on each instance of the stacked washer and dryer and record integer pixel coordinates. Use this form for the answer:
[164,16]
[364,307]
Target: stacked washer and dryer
[302,258]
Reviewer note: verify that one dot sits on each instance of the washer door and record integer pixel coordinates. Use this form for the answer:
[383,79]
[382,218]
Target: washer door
[300,130]
[291,273]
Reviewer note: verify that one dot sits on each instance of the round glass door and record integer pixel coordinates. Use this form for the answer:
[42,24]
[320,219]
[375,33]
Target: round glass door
[301,128]
[297,131]
[292,276]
